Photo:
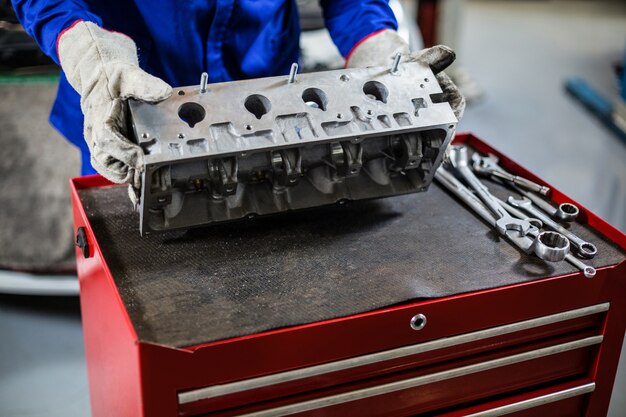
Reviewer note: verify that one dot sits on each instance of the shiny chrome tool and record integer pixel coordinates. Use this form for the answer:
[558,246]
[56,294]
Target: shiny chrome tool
[565,212]
[546,245]
[488,165]
[504,221]
[583,248]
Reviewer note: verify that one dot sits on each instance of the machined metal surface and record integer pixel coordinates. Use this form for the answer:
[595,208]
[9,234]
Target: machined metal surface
[271,145]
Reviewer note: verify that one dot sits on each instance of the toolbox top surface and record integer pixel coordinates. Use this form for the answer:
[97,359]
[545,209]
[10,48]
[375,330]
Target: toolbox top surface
[183,289]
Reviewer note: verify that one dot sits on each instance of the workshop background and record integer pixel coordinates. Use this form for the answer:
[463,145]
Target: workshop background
[514,60]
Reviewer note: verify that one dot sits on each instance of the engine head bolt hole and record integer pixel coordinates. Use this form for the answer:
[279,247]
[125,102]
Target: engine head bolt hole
[181,93]
[376,91]
[339,116]
[258,105]
[248,127]
[315,98]
[344,78]
[191,113]
[418,322]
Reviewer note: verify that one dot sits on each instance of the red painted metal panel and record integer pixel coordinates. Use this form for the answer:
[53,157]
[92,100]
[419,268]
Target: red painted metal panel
[132,378]
[110,340]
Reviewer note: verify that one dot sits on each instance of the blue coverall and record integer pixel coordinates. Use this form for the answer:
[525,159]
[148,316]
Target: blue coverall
[177,39]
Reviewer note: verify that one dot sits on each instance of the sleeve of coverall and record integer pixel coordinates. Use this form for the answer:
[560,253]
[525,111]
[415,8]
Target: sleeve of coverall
[45,20]
[350,22]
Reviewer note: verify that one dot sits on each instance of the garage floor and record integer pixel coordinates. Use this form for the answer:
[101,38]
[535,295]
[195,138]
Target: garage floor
[520,52]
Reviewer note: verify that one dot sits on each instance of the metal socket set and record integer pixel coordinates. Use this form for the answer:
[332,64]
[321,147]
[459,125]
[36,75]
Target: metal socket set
[228,151]
[522,221]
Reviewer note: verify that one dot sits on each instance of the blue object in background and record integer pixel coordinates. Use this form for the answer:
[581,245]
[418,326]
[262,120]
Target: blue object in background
[596,103]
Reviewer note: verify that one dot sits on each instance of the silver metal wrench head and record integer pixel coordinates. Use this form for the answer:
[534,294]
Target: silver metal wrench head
[458,156]
[484,164]
[566,212]
[583,248]
[551,246]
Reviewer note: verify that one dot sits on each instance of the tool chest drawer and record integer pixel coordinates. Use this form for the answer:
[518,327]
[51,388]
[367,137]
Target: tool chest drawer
[371,310]
[427,376]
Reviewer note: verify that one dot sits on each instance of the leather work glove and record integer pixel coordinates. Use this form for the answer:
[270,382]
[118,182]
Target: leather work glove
[380,49]
[103,68]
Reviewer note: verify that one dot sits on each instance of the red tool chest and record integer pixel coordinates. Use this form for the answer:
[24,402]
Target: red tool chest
[548,346]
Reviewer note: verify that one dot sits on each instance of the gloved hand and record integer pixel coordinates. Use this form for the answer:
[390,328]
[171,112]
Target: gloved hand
[103,68]
[380,49]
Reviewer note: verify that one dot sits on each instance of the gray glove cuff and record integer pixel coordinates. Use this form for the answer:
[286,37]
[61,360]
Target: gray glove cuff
[377,50]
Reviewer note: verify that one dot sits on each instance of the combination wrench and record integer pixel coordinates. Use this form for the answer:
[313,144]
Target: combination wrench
[585,249]
[488,165]
[565,212]
[549,246]
[504,221]
[525,243]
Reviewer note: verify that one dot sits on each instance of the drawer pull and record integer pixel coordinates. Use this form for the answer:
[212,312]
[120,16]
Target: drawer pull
[364,393]
[537,401]
[418,321]
[215,391]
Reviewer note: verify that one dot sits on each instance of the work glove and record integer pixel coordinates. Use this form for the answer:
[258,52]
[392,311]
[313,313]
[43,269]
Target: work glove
[103,68]
[381,48]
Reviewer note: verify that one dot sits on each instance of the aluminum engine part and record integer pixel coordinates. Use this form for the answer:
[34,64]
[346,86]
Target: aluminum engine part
[265,146]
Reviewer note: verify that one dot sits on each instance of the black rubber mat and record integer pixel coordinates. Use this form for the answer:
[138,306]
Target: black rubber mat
[241,278]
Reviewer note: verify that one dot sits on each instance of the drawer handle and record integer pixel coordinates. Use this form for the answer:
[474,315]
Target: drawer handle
[359,394]
[537,401]
[418,321]
[215,391]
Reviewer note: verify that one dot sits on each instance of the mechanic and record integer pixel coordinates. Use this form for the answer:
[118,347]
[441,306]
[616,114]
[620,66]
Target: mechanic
[113,50]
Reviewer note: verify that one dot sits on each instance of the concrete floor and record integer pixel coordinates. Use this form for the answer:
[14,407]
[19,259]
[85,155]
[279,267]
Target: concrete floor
[520,52]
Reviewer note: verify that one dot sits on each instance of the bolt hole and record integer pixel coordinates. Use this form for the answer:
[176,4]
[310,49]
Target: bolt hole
[422,85]
[339,116]
[344,77]
[191,113]
[258,105]
[369,112]
[426,80]
[451,127]
[376,90]
[181,136]
[315,98]
[181,93]
[248,127]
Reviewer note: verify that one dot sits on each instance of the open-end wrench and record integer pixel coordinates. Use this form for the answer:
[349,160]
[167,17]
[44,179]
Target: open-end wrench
[504,221]
[549,246]
[488,165]
[525,243]
[566,212]
[519,214]
[585,249]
